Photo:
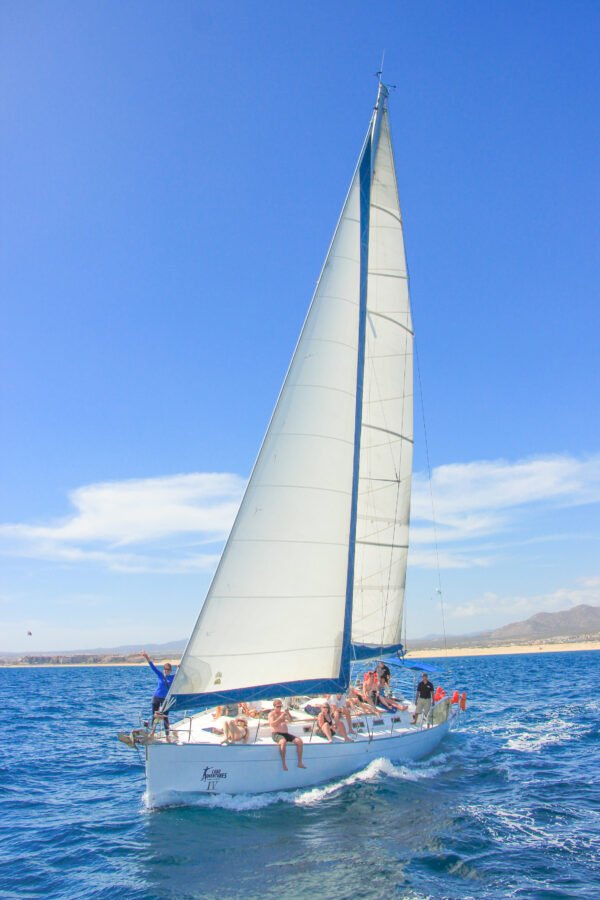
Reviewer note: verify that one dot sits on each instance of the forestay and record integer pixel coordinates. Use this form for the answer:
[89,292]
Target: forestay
[278,617]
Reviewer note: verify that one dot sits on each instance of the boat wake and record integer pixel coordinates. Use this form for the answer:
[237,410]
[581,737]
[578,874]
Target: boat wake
[375,771]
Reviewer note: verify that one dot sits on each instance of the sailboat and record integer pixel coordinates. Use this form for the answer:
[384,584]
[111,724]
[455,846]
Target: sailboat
[312,577]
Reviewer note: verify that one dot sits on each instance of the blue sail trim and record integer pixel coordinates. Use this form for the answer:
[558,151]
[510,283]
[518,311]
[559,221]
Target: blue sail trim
[365,204]
[415,666]
[310,686]
[370,651]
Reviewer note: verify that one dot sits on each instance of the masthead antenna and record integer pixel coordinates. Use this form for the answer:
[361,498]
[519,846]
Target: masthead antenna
[379,74]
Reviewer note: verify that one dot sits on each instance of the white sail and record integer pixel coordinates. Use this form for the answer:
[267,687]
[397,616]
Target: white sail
[387,418]
[275,610]
[335,464]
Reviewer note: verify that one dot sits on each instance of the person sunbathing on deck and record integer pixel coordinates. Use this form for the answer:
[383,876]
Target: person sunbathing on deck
[327,726]
[235,730]
[278,719]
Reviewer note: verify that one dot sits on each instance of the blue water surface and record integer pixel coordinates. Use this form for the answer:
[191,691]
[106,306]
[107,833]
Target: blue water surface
[508,806]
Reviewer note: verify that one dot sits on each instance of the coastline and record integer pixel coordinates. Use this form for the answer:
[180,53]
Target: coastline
[505,649]
[426,653]
[89,665]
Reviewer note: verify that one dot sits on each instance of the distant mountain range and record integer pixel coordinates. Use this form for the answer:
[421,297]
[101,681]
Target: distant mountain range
[172,648]
[581,621]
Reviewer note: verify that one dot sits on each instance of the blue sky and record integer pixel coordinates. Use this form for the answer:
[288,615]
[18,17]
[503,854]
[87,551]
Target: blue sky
[171,176]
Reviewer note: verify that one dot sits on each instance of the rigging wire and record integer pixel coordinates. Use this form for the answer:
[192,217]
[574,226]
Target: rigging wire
[435,537]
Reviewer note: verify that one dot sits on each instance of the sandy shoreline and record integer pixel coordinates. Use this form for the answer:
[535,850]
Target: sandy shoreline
[439,653]
[505,649]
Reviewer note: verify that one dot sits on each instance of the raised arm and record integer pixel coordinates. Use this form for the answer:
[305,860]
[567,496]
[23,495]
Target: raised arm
[154,668]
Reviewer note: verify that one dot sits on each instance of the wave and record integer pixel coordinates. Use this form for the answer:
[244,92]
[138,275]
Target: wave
[531,736]
[529,739]
[522,828]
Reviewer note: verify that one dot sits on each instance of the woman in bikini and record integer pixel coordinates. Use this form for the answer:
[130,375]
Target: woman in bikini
[235,730]
[327,726]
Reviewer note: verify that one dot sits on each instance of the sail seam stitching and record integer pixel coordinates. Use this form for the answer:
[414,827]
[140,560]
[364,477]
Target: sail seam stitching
[389,431]
[271,540]
[389,319]
[379,544]
[325,437]
[388,275]
[390,212]
[324,387]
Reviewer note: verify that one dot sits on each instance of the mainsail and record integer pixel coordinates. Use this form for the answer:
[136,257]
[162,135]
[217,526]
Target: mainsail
[313,572]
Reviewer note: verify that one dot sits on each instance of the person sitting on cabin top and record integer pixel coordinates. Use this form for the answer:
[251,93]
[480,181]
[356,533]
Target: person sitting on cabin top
[384,698]
[235,730]
[327,726]
[396,701]
[424,697]
[382,671]
[278,719]
[361,702]
[165,680]
[341,707]
[249,709]
[371,687]
[228,709]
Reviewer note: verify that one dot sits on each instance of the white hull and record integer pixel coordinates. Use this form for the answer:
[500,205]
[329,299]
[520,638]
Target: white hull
[177,773]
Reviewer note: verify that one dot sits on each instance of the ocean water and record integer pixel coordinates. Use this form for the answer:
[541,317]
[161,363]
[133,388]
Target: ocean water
[508,806]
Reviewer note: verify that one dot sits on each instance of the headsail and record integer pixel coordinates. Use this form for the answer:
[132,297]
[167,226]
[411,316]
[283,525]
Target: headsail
[387,420]
[278,614]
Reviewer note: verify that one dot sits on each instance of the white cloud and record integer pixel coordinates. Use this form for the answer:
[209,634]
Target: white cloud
[485,499]
[477,487]
[153,513]
[431,559]
[585,590]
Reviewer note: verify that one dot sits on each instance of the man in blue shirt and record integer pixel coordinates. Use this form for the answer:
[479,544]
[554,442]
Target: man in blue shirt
[165,679]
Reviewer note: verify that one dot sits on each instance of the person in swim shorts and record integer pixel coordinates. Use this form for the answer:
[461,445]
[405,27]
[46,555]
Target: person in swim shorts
[278,719]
